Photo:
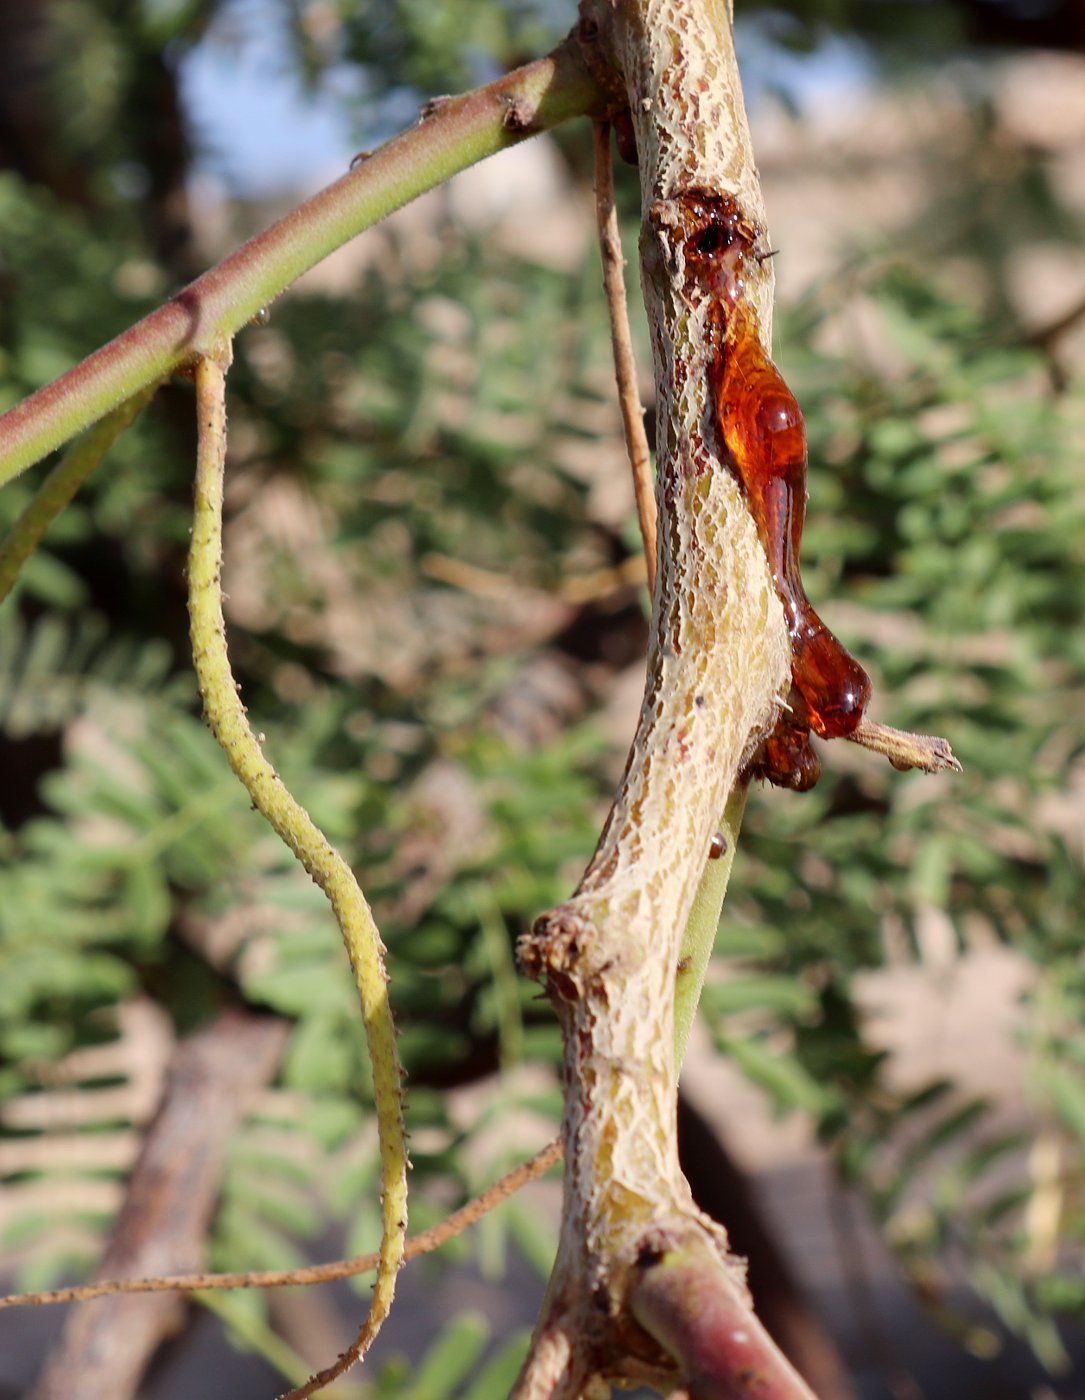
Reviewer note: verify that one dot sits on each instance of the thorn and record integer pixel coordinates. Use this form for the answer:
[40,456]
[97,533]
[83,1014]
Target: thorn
[764,257]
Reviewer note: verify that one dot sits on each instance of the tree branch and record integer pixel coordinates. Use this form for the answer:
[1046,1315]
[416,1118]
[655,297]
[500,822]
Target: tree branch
[58,488]
[625,367]
[451,136]
[103,1351]
[685,1298]
[703,922]
[718,663]
[926,752]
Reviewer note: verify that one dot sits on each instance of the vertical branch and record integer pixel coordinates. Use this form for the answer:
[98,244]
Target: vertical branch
[718,662]
[226,716]
[625,368]
[639,1268]
[704,918]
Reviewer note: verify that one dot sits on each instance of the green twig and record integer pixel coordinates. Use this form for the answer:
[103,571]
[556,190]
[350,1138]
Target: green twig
[704,918]
[451,136]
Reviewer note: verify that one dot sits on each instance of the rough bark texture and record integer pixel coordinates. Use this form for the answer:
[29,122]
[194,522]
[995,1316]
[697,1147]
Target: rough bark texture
[162,1228]
[643,1284]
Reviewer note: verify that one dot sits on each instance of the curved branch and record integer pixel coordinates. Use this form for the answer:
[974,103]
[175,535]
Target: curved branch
[229,724]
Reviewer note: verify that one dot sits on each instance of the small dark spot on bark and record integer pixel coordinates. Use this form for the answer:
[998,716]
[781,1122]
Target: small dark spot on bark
[432,106]
[519,115]
[626,137]
[650,1253]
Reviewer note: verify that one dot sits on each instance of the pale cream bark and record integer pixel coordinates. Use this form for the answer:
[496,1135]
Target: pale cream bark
[632,1239]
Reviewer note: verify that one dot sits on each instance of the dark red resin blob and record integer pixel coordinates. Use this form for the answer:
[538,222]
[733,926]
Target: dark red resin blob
[763,438]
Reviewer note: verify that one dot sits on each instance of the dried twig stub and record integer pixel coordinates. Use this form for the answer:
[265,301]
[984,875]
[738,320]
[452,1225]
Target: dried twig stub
[926,752]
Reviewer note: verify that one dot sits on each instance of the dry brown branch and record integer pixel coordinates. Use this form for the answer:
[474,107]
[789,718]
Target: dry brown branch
[577,588]
[423,1243]
[102,1352]
[625,369]
[903,750]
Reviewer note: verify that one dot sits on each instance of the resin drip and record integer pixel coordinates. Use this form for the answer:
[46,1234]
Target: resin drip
[763,440]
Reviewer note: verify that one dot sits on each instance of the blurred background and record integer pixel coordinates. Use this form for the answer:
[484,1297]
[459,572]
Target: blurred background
[438,616]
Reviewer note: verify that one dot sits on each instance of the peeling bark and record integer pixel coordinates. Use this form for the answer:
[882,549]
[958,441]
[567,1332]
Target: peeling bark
[643,1280]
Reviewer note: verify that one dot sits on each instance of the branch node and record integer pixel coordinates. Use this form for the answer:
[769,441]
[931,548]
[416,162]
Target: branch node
[553,950]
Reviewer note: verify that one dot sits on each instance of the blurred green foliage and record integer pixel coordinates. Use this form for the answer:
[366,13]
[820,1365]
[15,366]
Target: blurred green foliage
[437,409]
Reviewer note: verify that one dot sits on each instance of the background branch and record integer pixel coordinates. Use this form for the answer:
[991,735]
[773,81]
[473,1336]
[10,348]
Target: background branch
[104,1349]
[625,367]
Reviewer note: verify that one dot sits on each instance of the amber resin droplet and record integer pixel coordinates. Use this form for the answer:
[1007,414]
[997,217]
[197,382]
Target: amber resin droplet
[763,440]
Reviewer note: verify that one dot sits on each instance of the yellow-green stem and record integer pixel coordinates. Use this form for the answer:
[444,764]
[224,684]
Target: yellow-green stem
[226,716]
[704,918]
